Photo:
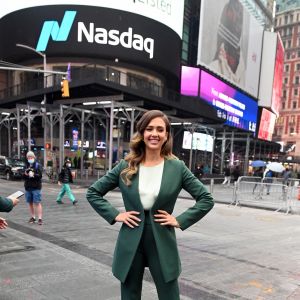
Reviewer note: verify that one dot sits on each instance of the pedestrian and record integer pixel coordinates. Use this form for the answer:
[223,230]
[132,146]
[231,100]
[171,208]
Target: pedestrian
[150,179]
[6,205]
[227,176]
[33,186]
[236,173]
[258,173]
[65,178]
[198,171]
[286,175]
[268,179]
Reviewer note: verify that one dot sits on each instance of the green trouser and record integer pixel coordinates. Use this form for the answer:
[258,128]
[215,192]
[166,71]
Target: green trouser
[65,189]
[147,255]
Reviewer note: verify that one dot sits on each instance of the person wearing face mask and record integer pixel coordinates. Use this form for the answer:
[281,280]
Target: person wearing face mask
[65,178]
[33,186]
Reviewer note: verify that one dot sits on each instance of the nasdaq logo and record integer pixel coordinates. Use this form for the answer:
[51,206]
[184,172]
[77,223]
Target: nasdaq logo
[52,29]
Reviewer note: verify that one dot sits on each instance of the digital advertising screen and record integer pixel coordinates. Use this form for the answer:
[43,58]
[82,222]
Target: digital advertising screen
[189,81]
[266,125]
[201,141]
[238,109]
[230,43]
[168,12]
[277,82]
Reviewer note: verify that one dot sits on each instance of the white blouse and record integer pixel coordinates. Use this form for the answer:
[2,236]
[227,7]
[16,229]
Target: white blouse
[149,184]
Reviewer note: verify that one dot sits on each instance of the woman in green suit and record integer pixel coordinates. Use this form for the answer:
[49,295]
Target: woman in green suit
[150,179]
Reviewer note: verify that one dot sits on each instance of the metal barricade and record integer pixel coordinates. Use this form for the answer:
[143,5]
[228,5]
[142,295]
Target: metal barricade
[262,193]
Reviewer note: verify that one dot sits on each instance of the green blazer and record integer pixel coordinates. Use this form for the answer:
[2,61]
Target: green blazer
[175,177]
[6,205]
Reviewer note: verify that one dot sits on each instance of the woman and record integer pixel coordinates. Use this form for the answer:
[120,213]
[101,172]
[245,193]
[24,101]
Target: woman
[150,179]
[65,178]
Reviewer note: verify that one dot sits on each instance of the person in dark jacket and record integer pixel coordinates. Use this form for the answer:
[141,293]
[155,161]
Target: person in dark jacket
[33,186]
[65,178]
[6,205]
[236,173]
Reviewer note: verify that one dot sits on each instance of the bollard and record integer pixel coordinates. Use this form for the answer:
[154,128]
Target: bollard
[98,174]
[86,174]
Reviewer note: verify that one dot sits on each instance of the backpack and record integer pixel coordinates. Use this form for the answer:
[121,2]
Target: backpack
[269,174]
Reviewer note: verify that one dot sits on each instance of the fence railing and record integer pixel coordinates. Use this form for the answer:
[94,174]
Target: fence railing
[277,193]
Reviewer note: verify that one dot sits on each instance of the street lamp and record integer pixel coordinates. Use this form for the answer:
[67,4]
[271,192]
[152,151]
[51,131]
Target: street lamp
[44,100]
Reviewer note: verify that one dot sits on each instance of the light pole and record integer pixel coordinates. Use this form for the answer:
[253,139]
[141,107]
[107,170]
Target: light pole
[45,99]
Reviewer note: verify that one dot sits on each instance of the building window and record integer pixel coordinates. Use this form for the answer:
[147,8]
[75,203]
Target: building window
[288,55]
[295,92]
[292,119]
[285,20]
[287,68]
[284,94]
[280,121]
[298,53]
[292,130]
[289,43]
[298,67]
[286,80]
[283,105]
[294,104]
[297,80]
[291,18]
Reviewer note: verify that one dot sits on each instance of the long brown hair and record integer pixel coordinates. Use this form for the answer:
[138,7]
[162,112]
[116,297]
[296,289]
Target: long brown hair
[137,145]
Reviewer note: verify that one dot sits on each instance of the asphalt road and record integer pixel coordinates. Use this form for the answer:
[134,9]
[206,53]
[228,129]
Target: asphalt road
[233,253]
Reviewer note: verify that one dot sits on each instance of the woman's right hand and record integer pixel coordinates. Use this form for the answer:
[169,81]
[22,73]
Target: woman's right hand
[129,218]
[15,201]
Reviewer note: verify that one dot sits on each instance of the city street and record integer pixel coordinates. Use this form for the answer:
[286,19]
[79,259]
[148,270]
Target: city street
[233,253]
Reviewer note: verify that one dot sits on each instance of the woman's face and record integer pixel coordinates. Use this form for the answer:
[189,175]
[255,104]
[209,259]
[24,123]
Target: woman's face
[155,134]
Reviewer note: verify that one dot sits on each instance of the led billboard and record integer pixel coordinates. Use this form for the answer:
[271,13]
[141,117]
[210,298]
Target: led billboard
[271,72]
[278,72]
[189,81]
[238,109]
[266,125]
[201,141]
[168,12]
[230,43]
[91,32]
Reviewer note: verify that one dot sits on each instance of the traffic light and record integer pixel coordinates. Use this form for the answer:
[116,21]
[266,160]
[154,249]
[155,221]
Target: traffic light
[65,88]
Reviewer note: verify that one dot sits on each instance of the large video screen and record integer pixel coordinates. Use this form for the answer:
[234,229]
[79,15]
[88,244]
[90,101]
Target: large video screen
[278,72]
[201,141]
[230,43]
[167,12]
[238,109]
[266,125]
[189,81]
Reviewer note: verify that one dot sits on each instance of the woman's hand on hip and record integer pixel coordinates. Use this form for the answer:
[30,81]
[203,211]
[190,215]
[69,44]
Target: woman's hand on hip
[164,218]
[129,218]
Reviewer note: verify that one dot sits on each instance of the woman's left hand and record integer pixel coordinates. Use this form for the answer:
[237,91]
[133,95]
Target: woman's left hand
[164,218]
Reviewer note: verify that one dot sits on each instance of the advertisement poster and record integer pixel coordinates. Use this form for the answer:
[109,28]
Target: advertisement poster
[75,138]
